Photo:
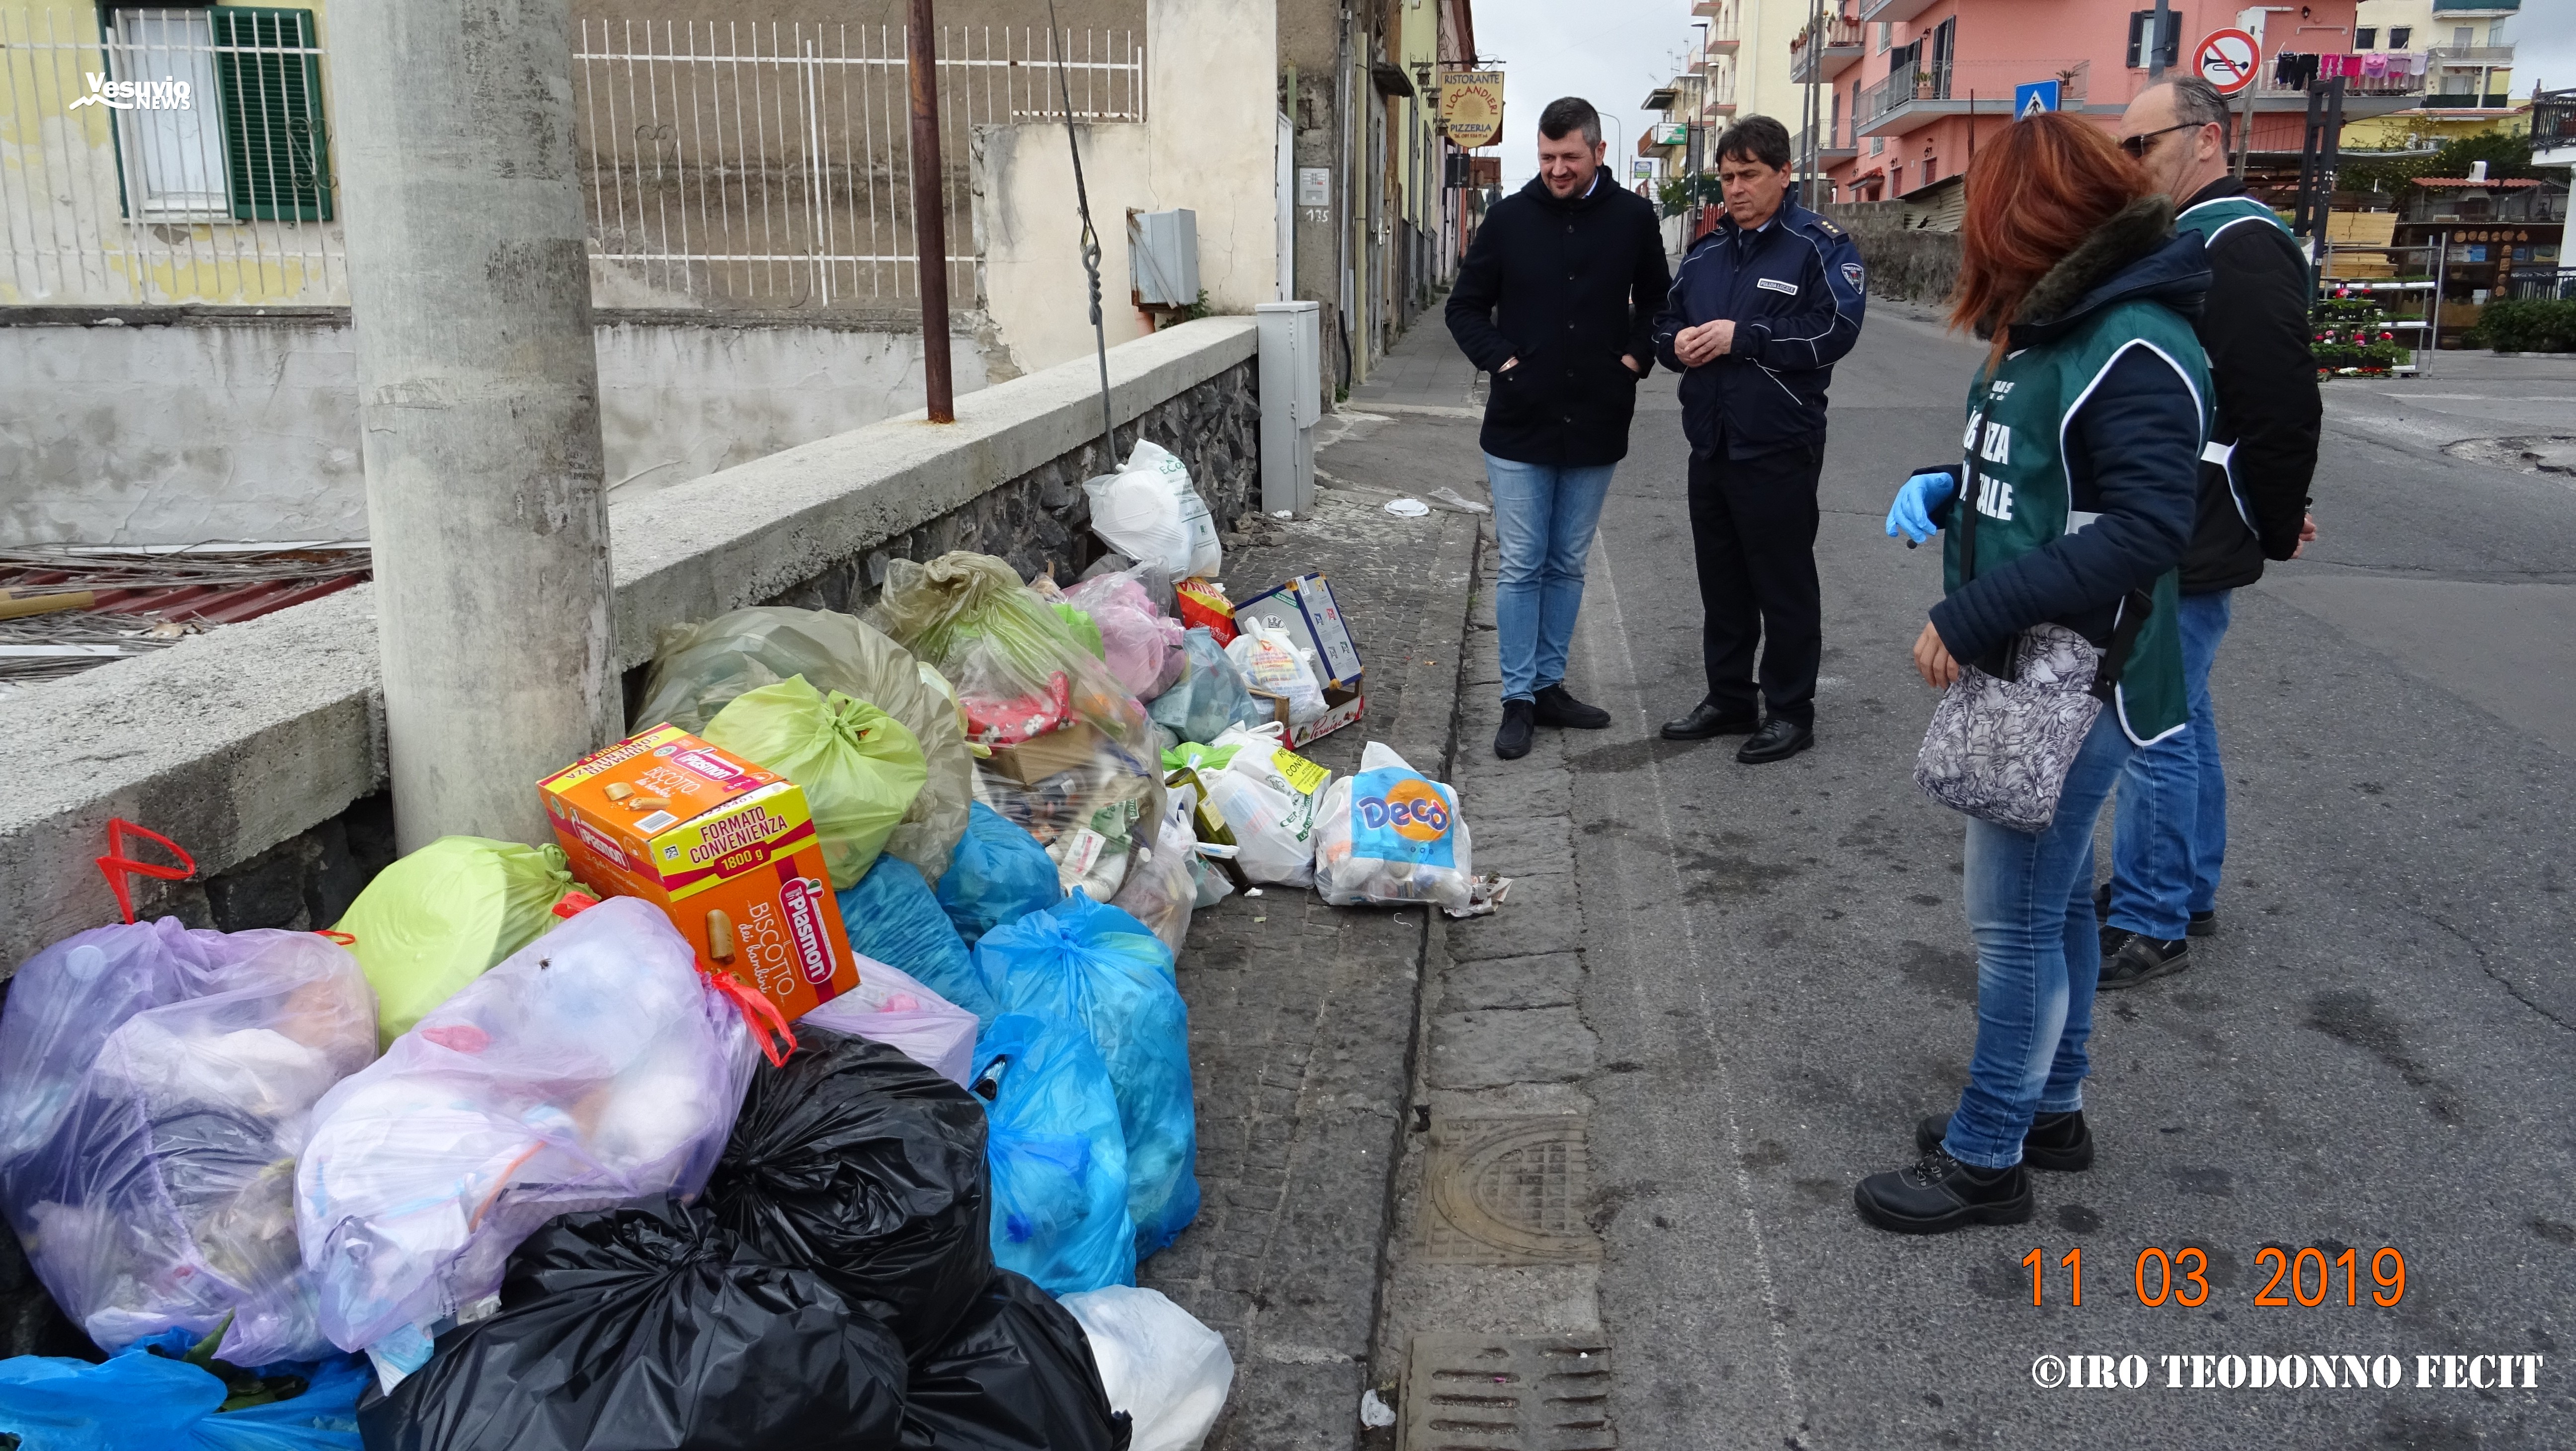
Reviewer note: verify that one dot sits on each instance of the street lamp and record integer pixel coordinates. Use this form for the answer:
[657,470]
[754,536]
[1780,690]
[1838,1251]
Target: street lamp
[1691,130]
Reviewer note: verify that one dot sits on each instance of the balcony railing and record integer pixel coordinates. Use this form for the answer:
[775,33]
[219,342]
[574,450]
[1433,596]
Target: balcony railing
[2497,56]
[2453,7]
[2468,101]
[2553,120]
[1841,46]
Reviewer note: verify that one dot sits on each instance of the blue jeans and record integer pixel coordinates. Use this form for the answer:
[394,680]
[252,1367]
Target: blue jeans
[2170,837]
[1544,518]
[2030,908]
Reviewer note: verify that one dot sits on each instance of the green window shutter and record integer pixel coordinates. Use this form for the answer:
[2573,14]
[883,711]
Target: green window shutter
[276,146]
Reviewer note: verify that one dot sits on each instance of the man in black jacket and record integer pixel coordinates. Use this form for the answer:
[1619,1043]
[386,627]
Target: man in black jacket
[2172,833]
[1762,308]
[1552,300]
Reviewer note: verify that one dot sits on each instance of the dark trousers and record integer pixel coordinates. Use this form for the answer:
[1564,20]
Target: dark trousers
[1753,529]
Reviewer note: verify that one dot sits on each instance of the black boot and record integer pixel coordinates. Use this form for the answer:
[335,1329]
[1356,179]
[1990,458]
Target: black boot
[1707,721]
[2141,958]
[1938,1194]
[2056,1141]
[1513,741]
[1558,707]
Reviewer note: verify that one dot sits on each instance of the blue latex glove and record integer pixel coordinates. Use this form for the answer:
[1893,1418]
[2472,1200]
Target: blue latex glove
[1910,517]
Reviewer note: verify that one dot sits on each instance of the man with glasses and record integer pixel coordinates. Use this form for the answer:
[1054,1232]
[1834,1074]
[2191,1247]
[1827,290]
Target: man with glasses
[2171,836]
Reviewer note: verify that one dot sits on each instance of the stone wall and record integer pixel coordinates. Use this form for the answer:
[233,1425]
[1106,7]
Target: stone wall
[1914,262]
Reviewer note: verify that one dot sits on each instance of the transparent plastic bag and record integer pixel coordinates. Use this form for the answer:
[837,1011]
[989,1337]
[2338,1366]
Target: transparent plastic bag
[859,767]
[1056,1154]
[1210,695]
[1161,891]
[156,1086]
[594,1067]
[1005,648]
[438,918]
[1167,1371]
[1082,964]
[892,918]
[699,670]
[892,1008]
[1392,836]
[1141,643]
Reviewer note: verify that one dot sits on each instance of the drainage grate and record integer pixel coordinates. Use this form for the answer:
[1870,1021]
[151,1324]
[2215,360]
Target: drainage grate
[1489,1393]
[1509,1191]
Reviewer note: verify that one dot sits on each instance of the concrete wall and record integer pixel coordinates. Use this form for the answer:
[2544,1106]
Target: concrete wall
[252,744]
[1208,143]
[252,428]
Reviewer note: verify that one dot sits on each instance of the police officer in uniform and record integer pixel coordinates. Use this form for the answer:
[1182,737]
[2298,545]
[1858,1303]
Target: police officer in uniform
[1762,308]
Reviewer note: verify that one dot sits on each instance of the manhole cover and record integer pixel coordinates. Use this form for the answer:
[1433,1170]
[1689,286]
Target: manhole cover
[2540,453]
[1509,1191]
[1489,1393]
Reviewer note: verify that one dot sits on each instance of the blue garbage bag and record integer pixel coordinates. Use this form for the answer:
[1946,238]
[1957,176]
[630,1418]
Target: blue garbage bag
[138,1401]
[1056,1157]
[892,915]
[1000,874]
[1085,965]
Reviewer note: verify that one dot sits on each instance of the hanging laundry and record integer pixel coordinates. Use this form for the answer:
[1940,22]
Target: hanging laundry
[2374,66]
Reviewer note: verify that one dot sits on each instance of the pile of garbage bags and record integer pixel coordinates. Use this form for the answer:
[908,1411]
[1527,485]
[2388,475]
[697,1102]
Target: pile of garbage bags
[496,1165]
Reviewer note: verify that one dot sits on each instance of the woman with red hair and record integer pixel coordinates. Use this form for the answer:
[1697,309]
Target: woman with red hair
[2080,474]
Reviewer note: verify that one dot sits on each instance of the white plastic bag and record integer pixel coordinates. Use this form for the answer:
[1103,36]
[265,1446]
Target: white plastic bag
[1148,511]
[891,1008]
[1268,657]
[1168,1372]
[1274,830]
[593,1067]
[1392,836]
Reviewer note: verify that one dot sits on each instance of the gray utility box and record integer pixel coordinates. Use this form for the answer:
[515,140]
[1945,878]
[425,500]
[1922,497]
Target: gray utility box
[1163,257]
[1292,391]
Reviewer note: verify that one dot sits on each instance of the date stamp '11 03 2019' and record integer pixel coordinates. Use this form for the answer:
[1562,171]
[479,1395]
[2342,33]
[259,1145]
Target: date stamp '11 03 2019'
[2312,1276]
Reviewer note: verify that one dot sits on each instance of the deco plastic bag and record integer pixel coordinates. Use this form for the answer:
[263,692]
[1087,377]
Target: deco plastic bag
[156,1085]
[594,1067]
[1143,645]
[1392,836]
[700,669]
[893,917]
[868,1168]
[1000,874]
[1159,1364]
[1056,1155]
[1161,891]
[652,1328]
[437,919]
[860,768]
[1081,964]
[890,1008]
[1210,694]
[144,1402]
[1015,1375]
[1148,511]
[1269,658]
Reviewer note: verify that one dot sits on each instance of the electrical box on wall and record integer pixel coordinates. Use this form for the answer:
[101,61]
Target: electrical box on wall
[1163,257]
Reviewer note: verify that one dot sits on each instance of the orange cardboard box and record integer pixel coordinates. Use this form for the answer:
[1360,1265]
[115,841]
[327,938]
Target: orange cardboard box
[726,849]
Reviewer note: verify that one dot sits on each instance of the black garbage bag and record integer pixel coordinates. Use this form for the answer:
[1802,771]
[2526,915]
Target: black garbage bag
[867,1168]
[650,1328]
[1015,1375]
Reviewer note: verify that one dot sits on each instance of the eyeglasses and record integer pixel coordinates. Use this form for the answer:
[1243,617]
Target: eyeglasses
[2136,145]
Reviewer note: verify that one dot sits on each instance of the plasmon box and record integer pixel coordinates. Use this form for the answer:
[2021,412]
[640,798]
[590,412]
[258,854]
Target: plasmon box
[726,849]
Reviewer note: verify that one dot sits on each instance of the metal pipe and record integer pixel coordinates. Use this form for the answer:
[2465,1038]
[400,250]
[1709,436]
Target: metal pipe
[929,211]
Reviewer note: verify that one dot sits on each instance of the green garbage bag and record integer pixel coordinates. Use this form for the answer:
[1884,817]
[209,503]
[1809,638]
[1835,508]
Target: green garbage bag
[438,918]
[700,669]
[861,769]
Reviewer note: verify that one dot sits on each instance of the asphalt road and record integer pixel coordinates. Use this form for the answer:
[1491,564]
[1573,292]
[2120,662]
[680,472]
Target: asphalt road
[2374,1052]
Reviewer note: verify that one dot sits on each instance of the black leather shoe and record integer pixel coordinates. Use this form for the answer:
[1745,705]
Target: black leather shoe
[1706,722]
[1513,741]
[1938,1193]
[1558,707]
[2058,1142]
[2144,959]
[1778,740]
[2202,924]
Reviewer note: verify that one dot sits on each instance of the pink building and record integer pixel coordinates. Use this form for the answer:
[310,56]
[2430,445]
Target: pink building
[1916,83]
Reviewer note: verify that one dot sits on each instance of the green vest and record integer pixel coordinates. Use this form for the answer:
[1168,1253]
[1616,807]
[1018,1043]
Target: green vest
[2220,213]
[2015,477]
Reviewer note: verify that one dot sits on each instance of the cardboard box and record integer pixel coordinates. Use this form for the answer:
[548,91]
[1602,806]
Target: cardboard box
[726,849]
[1304,607]
[1341,708]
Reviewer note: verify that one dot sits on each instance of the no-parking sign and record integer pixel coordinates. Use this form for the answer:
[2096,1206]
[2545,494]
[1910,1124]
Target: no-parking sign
[2228,59]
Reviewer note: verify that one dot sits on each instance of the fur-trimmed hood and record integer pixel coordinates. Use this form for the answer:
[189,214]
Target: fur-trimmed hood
[2134,255]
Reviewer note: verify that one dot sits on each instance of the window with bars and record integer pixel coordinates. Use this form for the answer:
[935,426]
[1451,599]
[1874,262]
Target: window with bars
[251,143]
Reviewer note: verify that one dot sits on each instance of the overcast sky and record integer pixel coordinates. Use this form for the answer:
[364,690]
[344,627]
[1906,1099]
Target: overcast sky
[1612,52]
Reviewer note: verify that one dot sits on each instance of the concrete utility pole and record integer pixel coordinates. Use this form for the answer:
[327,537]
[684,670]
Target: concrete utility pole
[929,210]
[478,395]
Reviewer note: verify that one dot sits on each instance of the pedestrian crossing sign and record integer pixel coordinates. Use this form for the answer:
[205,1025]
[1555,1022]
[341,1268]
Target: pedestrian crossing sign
[2029,100]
